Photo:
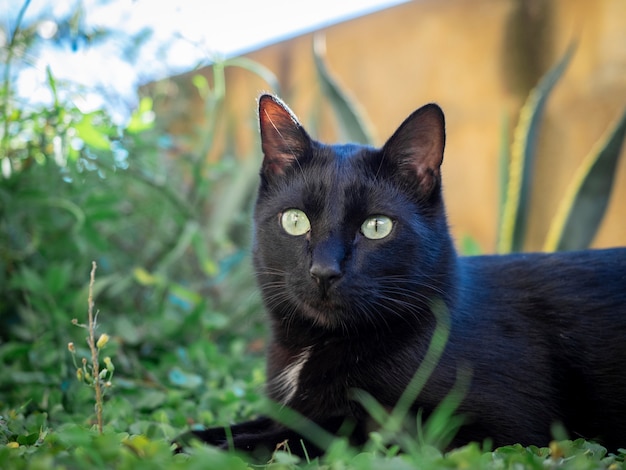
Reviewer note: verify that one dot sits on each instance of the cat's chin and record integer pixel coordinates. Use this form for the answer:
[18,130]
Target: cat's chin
[326,316]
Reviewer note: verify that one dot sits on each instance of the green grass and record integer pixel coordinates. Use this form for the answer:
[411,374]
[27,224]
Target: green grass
[185,376]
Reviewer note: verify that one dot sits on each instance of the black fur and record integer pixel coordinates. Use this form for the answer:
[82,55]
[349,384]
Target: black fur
[542,336]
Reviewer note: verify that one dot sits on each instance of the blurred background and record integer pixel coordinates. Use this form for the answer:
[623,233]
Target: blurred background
[128,136]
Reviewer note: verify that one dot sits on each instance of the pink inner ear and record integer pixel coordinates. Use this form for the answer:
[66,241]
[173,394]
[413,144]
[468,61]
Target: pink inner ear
[427,151]
[282,137]
[274,115]
[417,147]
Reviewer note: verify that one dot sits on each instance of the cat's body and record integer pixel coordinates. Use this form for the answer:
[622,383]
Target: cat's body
[352,252]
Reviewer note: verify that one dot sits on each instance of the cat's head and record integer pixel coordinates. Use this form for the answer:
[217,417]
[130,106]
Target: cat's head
[348,236]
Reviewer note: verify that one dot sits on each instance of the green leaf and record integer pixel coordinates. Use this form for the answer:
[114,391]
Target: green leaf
[183,379]
[184,294]
[53,86]
[29,280]
[92,136]
[515,212]
[582,208]
[142,118]
[352,124]
[28,440]
[150,400]
[72,435]
[57,278]
[201,84]
[143,277]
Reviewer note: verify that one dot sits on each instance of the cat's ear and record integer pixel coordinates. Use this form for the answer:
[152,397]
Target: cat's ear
[283,139]
[416,148]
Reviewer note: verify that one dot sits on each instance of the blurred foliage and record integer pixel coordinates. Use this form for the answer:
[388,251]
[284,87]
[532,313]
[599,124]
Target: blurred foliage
[517,183]
[587,197]
[583,206]
[77,187]
[352,122]
[169,231]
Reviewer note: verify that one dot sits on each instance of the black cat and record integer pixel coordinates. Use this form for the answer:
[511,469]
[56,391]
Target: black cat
[352,251]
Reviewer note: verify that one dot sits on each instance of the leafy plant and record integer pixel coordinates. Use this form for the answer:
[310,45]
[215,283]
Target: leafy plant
[78,187]
[165,227]
[586,199]
[520,167]
[92,375]
[584,204]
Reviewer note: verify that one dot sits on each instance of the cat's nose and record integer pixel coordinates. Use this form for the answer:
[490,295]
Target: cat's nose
[326,259]
[325,274]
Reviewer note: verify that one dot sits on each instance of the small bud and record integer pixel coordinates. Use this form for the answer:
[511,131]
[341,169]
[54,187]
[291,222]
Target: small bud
[84,361]
[556,451]
[102,374]
[71,348]
[109,364]
[13,445]
[74,321]
[79,375]
[108,384]
[102,341]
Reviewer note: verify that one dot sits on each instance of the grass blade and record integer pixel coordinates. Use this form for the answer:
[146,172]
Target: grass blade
[582,208]
[515,212]
[352,124]
[258,69]
[504,159]
[429,363]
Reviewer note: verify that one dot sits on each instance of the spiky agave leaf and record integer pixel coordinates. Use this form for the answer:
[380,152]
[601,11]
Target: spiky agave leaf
[515,211]
[352,123]
[582,208]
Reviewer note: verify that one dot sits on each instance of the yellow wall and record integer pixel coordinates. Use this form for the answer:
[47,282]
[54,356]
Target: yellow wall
[477,59]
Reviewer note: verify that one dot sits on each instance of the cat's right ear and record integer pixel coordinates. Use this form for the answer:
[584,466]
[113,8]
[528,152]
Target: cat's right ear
[416,148]
[283,139]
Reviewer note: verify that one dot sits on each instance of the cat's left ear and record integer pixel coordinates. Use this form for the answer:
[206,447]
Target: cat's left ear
[416,148]
[283,139]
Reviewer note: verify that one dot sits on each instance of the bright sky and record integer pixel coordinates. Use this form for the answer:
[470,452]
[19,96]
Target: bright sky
[186,33]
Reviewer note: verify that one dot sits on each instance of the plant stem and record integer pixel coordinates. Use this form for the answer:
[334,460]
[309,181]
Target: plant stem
[94,350]
[7,78]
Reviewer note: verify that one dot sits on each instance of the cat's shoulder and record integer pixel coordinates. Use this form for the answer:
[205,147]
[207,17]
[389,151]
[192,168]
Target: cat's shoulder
[601,269]
[593,257]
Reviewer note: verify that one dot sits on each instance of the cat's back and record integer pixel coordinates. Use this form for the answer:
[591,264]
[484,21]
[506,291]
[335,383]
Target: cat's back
[585,274]
[578,294]
[556,322]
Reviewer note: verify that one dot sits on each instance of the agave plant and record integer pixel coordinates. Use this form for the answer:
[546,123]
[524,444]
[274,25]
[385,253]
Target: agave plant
[582,208]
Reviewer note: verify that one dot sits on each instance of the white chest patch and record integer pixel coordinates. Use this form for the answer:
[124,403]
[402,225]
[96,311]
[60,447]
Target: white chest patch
[286,383]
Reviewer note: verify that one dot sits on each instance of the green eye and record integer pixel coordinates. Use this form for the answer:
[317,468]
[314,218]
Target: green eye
[377,227]
[295,222]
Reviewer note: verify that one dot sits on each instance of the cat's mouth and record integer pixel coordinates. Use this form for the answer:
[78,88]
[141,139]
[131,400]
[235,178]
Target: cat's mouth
[326,313]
